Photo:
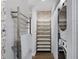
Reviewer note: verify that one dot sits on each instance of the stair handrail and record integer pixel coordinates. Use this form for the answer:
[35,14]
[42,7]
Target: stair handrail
[27,21]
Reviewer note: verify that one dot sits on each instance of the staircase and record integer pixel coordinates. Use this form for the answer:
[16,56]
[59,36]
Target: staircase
[43,35]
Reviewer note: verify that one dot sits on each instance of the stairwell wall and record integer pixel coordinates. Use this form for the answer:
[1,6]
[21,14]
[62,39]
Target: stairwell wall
[34,30]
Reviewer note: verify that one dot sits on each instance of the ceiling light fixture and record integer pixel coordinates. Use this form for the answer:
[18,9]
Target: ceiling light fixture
[42,0]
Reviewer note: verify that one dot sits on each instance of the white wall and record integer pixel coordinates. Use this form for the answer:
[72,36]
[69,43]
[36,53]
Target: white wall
[75,29]
[72,18]
[54,33]
[9,35]
[33,30]
[23,4]
[12,5]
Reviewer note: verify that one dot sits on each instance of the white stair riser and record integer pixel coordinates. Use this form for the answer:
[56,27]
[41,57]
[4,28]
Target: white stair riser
[43,35]
[43,31]
[43,49]
[45,19]
[43,23]
[42,39]
[43,42]
[43,46]
[43,27]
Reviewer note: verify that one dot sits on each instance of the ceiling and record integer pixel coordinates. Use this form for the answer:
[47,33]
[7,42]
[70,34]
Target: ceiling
[42,5]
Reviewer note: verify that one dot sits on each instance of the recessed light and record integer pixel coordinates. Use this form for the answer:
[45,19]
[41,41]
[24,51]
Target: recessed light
[42,0]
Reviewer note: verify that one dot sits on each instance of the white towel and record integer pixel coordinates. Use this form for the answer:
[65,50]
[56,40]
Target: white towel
[26,46]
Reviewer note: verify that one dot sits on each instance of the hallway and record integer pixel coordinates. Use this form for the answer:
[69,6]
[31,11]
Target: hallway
[39,29]
[43,55]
